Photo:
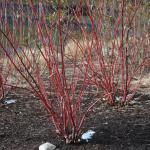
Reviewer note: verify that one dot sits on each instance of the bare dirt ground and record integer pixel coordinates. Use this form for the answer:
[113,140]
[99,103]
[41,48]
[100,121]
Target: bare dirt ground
[25,124]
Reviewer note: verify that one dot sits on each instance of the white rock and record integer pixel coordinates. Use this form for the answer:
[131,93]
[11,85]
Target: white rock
[133,102]
[47,146]
[87,135]
[10,101]
[118,99]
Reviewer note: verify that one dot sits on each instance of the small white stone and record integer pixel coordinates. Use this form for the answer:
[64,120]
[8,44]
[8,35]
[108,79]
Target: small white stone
[87,135]
[105,123]
[47,146]
[117,99]
[133,102]
[10,101]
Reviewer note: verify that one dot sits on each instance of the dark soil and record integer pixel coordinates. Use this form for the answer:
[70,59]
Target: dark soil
[25,125]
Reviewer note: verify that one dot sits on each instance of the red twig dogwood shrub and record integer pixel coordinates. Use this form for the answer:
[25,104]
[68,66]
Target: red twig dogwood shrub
[117,51]
[63,87]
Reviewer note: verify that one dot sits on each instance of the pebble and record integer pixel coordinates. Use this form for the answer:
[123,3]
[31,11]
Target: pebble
[87,135]
[47,146]
[10,101]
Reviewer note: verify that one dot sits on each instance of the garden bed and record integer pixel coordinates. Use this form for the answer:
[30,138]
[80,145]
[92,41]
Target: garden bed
[24,125]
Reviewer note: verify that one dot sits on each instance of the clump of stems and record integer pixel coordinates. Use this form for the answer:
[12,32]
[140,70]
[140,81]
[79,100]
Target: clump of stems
[62,88]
